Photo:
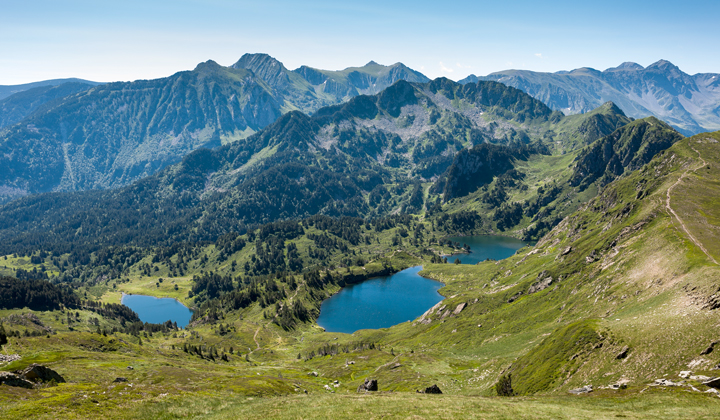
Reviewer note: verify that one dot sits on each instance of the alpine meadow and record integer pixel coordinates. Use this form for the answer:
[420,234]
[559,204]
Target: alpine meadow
[275,208]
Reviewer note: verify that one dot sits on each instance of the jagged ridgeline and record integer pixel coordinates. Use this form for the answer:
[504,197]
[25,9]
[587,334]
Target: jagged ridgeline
[491,150]
[367,157]
[77,137]
[687,102]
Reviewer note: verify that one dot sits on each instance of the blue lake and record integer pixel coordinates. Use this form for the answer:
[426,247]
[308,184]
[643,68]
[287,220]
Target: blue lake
[380,302]
[486,246]
[158,310]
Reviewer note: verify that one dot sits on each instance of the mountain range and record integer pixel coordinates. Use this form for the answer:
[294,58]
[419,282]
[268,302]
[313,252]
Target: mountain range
[77,137]
[68,135]
[411,148]
[691,103]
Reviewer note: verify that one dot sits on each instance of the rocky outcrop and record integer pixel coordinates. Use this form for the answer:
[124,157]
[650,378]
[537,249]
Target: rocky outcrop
[584,390]
[542,282]
[11,379]
[713,383]
[5,358]
[623,353]
[368,385]
[710,348]
[432,390]
[40,373]
[459,308]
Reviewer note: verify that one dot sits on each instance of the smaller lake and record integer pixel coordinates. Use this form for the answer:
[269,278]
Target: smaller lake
[486,246]
[379,302]
[158,310]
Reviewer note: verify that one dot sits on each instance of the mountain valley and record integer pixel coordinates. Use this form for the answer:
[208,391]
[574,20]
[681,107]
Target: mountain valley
[253,193]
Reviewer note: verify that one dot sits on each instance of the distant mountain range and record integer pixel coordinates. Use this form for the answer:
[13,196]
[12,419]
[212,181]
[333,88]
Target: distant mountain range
[109,135]
[67,135]
[375,155]
[689,103]
[7,90]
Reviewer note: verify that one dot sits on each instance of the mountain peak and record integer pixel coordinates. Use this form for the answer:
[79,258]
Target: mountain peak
[610,107]
[628,65]
[266,67]
[663,65]
[371,63]
[250,61]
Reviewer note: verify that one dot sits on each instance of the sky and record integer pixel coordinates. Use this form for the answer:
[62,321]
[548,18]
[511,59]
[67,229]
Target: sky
[127,40]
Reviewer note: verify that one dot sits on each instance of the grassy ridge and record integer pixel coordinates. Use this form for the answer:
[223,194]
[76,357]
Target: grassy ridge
[625,274]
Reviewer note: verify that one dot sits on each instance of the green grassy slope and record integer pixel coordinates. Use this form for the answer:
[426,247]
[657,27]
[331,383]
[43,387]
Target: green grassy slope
[632,299]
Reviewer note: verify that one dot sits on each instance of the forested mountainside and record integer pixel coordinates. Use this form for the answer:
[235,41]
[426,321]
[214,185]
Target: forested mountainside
[404,150]
[687,102]
[68,138]
[619,300]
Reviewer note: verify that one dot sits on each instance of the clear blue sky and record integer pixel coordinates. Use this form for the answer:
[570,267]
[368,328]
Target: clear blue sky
[128,40]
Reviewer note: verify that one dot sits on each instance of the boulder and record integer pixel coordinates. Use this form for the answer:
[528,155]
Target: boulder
[368,385]
[623,353]
[709,349]
[566,251]
[11,379]
[432,390]
[40,373]
[120,379]
[584,390]
[459,308]
[541,283]
[515,297]
[665,382]
[713,383]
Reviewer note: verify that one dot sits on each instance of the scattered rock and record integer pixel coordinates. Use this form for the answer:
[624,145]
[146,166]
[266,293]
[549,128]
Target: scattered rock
[395,366]
[11,379]
[623,353]
[584,390]
[120,379]
[566,251]
[618,386]
[6,358]
[515,297]
[700,378]
[542,282]
[130,368]
[368,385]
[591,258]
[315,374]
[685,374]
[459,308]
[327,388]
[40,373]
[432,390]
[713,383]
[665,382]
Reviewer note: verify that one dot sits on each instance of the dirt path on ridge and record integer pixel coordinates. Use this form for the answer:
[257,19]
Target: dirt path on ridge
[682,224]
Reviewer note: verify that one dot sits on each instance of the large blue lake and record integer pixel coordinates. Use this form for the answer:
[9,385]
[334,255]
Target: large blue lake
[380,302]
[158,310]
[486,246]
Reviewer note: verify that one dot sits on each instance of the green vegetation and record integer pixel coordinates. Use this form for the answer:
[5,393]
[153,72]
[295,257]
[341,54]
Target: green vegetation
[619,290]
